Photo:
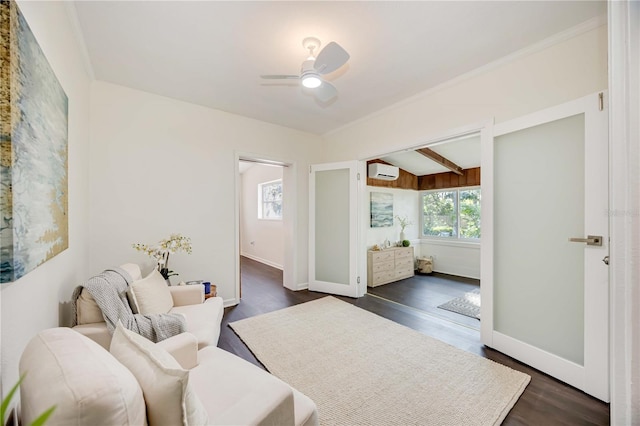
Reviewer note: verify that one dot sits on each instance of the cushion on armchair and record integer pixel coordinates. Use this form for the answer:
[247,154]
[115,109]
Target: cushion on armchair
[165,385]
[150,295]
[87,310]
[87,385]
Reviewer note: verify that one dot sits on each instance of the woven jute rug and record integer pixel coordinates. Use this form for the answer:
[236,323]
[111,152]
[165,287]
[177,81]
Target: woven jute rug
[362,369]
[467,305]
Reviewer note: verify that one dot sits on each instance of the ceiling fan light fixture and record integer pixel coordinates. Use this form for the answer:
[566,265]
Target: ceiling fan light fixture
[311,81]
[329,59]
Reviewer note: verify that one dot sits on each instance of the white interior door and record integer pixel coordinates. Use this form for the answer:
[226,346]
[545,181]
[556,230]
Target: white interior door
[333,227]
[548,177]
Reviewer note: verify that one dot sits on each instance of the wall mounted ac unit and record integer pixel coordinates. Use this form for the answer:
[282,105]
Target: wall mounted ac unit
[383,171]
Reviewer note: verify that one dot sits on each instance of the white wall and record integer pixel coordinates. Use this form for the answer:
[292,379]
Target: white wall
[453,257]
[405,203]
[560,73]
[260,239]
[38,300]
[160,166]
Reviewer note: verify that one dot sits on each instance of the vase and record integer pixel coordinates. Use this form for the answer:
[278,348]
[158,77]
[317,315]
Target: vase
[401,235]
[165,274]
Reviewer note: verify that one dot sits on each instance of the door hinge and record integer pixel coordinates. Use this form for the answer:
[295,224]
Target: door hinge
[358,280]
[358,176]
[309,169]
[601,101]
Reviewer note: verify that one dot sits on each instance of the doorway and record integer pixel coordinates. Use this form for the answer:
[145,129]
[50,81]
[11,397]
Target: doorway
[437,197]
[261,200]
[265,205]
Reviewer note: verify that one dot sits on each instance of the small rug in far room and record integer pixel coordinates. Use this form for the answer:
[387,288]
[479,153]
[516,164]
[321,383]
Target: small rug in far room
[467,305]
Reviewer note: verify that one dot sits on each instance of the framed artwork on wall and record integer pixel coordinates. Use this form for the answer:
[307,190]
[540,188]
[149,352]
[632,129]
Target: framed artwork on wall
[33,156]
[381,209]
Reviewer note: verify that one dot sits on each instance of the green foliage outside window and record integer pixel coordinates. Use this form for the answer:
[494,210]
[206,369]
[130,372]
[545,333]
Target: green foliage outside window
[440,214]
[469,213]
[452,213]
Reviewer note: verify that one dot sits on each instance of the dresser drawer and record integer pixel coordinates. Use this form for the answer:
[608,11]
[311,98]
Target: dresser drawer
[404,263]
[403,253]
[383,266]
[382,256]
[404,273]
[383,277]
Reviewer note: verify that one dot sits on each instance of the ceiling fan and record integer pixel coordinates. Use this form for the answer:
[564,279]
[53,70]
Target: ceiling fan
[330,58]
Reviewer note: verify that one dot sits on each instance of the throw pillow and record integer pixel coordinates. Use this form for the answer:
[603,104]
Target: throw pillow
[165,385]
[150,295]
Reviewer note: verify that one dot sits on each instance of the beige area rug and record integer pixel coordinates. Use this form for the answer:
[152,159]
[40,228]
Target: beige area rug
[362,369]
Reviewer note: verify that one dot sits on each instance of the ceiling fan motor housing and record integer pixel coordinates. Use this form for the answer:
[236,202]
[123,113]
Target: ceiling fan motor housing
[308,74]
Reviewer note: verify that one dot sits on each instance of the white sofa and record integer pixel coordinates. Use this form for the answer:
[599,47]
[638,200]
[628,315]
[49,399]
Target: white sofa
[203,317]
[90,386]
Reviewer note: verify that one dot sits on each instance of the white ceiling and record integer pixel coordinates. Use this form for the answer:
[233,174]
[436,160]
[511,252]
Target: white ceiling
[211,53]
[464,152]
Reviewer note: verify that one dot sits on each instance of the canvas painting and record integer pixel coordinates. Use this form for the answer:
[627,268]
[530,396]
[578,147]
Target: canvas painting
[381,209]
[33,138]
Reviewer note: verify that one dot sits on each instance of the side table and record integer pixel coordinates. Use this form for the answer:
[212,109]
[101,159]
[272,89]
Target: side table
[212,293]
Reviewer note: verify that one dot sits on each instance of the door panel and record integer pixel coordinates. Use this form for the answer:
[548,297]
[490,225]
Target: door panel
[539,204]
[548,177]
[333,225]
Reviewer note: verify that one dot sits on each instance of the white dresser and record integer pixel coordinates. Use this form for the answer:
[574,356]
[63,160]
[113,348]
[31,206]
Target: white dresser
[389,265]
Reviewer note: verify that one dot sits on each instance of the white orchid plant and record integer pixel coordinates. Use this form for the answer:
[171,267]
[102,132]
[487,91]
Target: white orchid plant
[161,251]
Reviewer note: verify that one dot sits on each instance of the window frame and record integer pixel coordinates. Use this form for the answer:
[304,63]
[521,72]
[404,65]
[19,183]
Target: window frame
[457,238]
[261,202]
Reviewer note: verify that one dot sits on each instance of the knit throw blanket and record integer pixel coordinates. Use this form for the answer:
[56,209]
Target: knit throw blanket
[109,289]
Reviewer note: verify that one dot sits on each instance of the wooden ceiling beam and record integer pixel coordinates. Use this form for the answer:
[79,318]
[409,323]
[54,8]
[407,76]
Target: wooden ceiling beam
[432,155]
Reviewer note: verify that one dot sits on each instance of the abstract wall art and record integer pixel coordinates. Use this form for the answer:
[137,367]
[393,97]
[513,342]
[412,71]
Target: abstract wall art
[381,209]
[33,160]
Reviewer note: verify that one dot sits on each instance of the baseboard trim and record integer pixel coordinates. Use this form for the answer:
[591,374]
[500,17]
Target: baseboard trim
[261,260]
[230,302]
[456,273]
[302,286]
[560,368]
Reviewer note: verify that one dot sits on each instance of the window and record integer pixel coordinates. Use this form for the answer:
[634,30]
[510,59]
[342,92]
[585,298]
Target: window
[453,213]
[270,200]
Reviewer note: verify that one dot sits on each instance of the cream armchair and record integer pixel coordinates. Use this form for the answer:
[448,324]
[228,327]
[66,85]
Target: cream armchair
[139,383]
[203,317]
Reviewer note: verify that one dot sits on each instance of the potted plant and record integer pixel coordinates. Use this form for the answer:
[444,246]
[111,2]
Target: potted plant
[404,222]
[161,251]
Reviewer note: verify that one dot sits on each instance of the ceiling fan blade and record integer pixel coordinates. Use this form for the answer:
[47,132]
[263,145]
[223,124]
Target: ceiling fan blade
[280,77]
[325,92]
[330,58]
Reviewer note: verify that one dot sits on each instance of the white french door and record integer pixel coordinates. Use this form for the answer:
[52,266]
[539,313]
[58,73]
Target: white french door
[545,277]
[333,229]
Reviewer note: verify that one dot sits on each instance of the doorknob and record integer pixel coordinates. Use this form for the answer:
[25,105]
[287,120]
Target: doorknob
[606,260]
[591,240]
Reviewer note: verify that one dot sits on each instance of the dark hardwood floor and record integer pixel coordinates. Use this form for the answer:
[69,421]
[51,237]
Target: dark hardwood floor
[427,292]
[545,401]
